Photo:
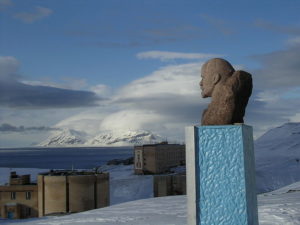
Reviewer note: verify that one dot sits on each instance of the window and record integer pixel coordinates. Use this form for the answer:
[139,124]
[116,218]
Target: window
[13,195]
[28,211]
[28,195]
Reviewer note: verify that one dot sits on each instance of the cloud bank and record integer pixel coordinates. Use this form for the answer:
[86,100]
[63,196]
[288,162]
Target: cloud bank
[163,102]
[279,69]
[14,93]
[165,55]
[5,127]
[169,99]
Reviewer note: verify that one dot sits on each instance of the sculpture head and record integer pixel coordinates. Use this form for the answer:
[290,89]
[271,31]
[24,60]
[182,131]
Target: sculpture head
[229,89]
[214,71]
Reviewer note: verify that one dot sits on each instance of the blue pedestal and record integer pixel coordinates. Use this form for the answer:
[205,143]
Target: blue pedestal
[222,174]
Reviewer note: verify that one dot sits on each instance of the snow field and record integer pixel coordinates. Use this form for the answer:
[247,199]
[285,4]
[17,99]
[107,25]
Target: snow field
[280,207]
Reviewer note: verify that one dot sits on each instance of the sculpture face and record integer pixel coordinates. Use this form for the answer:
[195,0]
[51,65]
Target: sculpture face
[207,83]
[212,72]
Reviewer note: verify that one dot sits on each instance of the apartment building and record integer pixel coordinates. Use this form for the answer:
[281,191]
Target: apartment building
[56,192]
[158,158]
[19,199]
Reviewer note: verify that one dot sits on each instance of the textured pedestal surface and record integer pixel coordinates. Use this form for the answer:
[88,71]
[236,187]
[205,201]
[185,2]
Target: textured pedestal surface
[224,176]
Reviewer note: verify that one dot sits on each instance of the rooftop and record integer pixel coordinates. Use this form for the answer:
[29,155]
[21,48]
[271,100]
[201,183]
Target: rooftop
[161,143]
[71,172]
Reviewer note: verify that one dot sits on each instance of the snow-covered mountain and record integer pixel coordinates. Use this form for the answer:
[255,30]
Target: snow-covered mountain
[70,137]
[65,137]
[125,138]
[277,155]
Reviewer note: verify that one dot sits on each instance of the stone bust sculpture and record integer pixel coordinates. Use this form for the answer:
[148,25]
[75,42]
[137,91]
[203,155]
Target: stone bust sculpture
[229,90]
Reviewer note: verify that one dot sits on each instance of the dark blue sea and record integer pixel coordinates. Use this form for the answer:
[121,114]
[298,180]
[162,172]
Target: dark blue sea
[61,158]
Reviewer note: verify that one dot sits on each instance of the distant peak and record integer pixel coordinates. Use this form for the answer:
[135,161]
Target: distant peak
[70,137]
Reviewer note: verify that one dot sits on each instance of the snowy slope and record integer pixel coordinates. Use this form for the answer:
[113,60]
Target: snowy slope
[125,186]
[274,209]
[280,207]
[70,137]
[65,137]
[295,187]
[277,155]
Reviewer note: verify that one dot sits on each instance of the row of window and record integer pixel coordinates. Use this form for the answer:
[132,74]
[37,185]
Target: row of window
[13,195]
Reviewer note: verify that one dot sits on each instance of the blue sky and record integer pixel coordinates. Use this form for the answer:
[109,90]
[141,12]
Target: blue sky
[64,59]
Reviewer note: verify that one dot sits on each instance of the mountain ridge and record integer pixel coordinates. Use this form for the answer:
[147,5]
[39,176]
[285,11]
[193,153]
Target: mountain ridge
[70,137]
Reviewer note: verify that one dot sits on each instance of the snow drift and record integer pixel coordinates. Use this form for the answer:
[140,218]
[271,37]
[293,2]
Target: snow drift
[277,155]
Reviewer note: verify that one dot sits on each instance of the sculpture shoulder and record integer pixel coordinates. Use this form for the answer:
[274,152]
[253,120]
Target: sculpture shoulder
[240,81]
[242,76]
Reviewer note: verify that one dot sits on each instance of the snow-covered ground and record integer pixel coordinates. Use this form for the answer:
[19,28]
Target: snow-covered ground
[280,207]
[125,186]
[277,154]
[275,208]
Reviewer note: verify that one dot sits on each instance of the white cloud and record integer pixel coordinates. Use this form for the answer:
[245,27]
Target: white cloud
[133,120]
[165,55]
[64,83]
[268,96]
[9,67]
[180,79]
[294,41]
[21,140]
[24,117]
[88,121]
[30,118]
[295,118]
[102,90]
[38,14]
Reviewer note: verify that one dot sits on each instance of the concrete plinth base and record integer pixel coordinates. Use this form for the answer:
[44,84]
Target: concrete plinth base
[221,175]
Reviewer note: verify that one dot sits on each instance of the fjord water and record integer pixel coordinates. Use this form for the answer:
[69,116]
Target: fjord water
[61,158]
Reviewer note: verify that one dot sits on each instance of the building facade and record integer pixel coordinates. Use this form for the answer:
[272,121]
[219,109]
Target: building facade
[158,158]
[19,199]
[69,192]
[165,185]
[57,192]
